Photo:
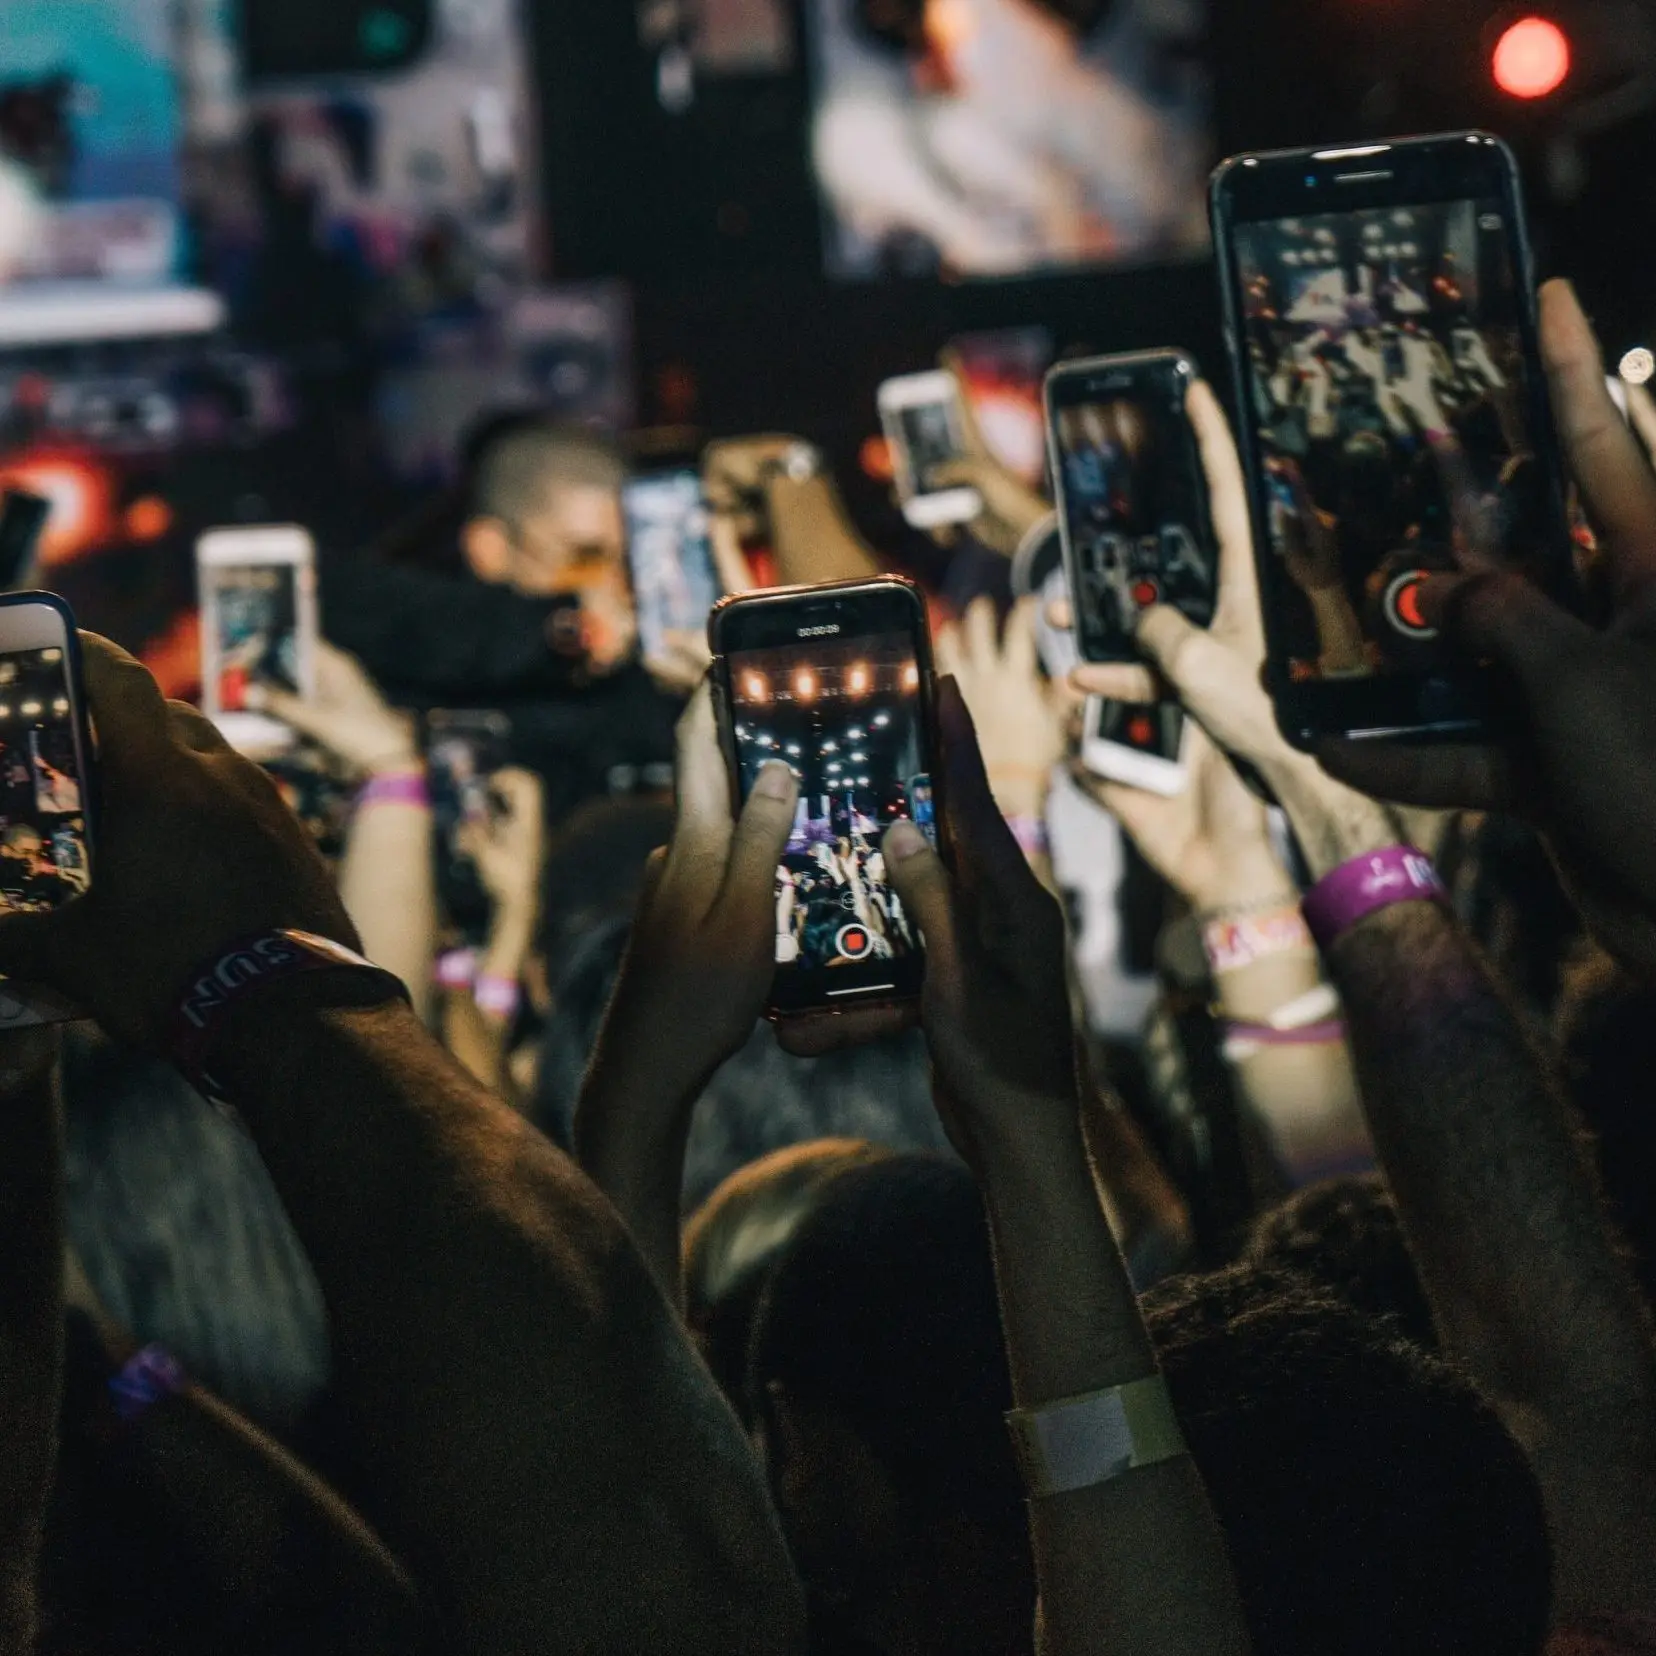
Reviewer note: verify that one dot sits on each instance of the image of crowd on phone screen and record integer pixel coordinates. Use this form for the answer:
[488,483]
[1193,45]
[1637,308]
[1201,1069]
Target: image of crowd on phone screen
[1388,384]
[848,725]
[43,858]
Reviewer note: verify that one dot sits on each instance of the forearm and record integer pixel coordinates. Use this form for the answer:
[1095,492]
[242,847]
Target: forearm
[499,1339]
[632,1130]
[1502,1215]
[387,882]
[1146,1213]
[813,538]
[1073,1327]
[1340,643]
[1304,1091]
[31,1327]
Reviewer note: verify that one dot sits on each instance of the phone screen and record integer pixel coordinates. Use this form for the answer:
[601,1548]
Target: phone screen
[1134,504]
[848,715]
[255,611]
[1154,729]
[674,580]
[1392,424]
[463,753]
[930,438]
[43,839]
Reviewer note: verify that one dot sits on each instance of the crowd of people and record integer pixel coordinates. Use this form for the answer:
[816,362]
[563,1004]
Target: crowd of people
[531,1292]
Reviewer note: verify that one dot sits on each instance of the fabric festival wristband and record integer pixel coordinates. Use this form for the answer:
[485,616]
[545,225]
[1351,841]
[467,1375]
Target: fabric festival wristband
[1234,942]
[146,1379]
[1082,1441]
[242,970]
[497,996]
[1248,1040]
[1375,880]
[396,788]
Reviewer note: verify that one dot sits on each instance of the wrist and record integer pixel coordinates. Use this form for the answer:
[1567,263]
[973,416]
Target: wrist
[1332,823]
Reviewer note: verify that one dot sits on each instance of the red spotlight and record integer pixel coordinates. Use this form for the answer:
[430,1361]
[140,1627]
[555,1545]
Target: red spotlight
[1531,58]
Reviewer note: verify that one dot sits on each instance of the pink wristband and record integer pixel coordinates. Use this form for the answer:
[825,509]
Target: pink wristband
[1376,880]
[498,996]
[399,788]
[242,970]
[456,969]
[1031,834]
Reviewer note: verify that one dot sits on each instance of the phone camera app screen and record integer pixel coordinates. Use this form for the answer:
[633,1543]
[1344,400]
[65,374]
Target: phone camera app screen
[1155,729]
[1387,380]
[258,631]
[929,436]
[846,717]
[674,584]
[1132,514]
[43,857]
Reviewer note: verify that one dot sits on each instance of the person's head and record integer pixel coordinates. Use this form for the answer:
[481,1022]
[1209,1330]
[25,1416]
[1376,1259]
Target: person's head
[879,1384]
[1371,1500]
[22,843]
[545,508]
[736,1236]
[1343,1234]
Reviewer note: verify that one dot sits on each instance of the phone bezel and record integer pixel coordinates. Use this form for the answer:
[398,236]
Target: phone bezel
[267,546]
[769,620]
[1147,375]
[934,388]
[1116,762]
[1395,173]
[42,621]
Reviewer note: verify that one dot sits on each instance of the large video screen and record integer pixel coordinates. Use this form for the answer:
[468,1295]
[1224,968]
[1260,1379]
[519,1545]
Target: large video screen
[89,119]
[983,138]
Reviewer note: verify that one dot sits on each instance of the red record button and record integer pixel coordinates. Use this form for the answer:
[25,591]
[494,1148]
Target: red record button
[1146,593]
[1402,605]
[853,942]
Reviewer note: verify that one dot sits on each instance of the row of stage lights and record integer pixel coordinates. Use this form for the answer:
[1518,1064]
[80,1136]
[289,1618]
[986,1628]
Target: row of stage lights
[806,683]
[34,709]
[834,768]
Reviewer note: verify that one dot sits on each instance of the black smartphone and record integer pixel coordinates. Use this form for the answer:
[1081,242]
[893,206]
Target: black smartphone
[836,681]
[1132,498]
[1409,259]
[464,750]
[22,518]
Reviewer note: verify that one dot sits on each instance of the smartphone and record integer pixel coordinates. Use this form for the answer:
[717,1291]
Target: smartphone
[836,681]
[1132,498]
[464,750]
[1141,744]
[675,583]
[924,426]
[46,779]
[1339,244]
[258,628]
[22,519]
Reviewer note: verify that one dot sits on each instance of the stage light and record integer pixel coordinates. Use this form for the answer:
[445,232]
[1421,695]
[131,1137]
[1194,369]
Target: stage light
[855,734]
[31,710]
[755,688]
[856,681]
[830,747]
[862,781]
[833,767]
[5,711]
[793,750]
[805,684]
[911,677]
[1531,58]
[1638,365]
[61,705]
[881,720]
[859,758]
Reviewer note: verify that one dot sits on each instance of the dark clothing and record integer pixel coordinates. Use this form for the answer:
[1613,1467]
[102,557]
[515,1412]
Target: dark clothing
[435,641]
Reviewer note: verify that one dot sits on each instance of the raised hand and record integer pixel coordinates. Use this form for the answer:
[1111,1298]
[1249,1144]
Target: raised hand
[347,716]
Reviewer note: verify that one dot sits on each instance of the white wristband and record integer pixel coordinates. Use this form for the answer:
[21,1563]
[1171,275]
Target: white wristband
[1081,1441]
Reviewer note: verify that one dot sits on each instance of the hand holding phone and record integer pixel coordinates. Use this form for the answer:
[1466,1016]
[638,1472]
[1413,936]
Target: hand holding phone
[924,423]
[258,630]
[1132,505]
[835,682]
[1398,257]
[1137,743]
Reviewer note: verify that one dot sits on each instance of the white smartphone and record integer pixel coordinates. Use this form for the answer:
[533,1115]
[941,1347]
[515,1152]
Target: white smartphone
[258,629]
[46,781]
[1139,743]
[925,426]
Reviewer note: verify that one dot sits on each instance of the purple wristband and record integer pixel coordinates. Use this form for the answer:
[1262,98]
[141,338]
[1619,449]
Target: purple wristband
[396,788]
[147,1378]
[498,996]
[1375,880]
